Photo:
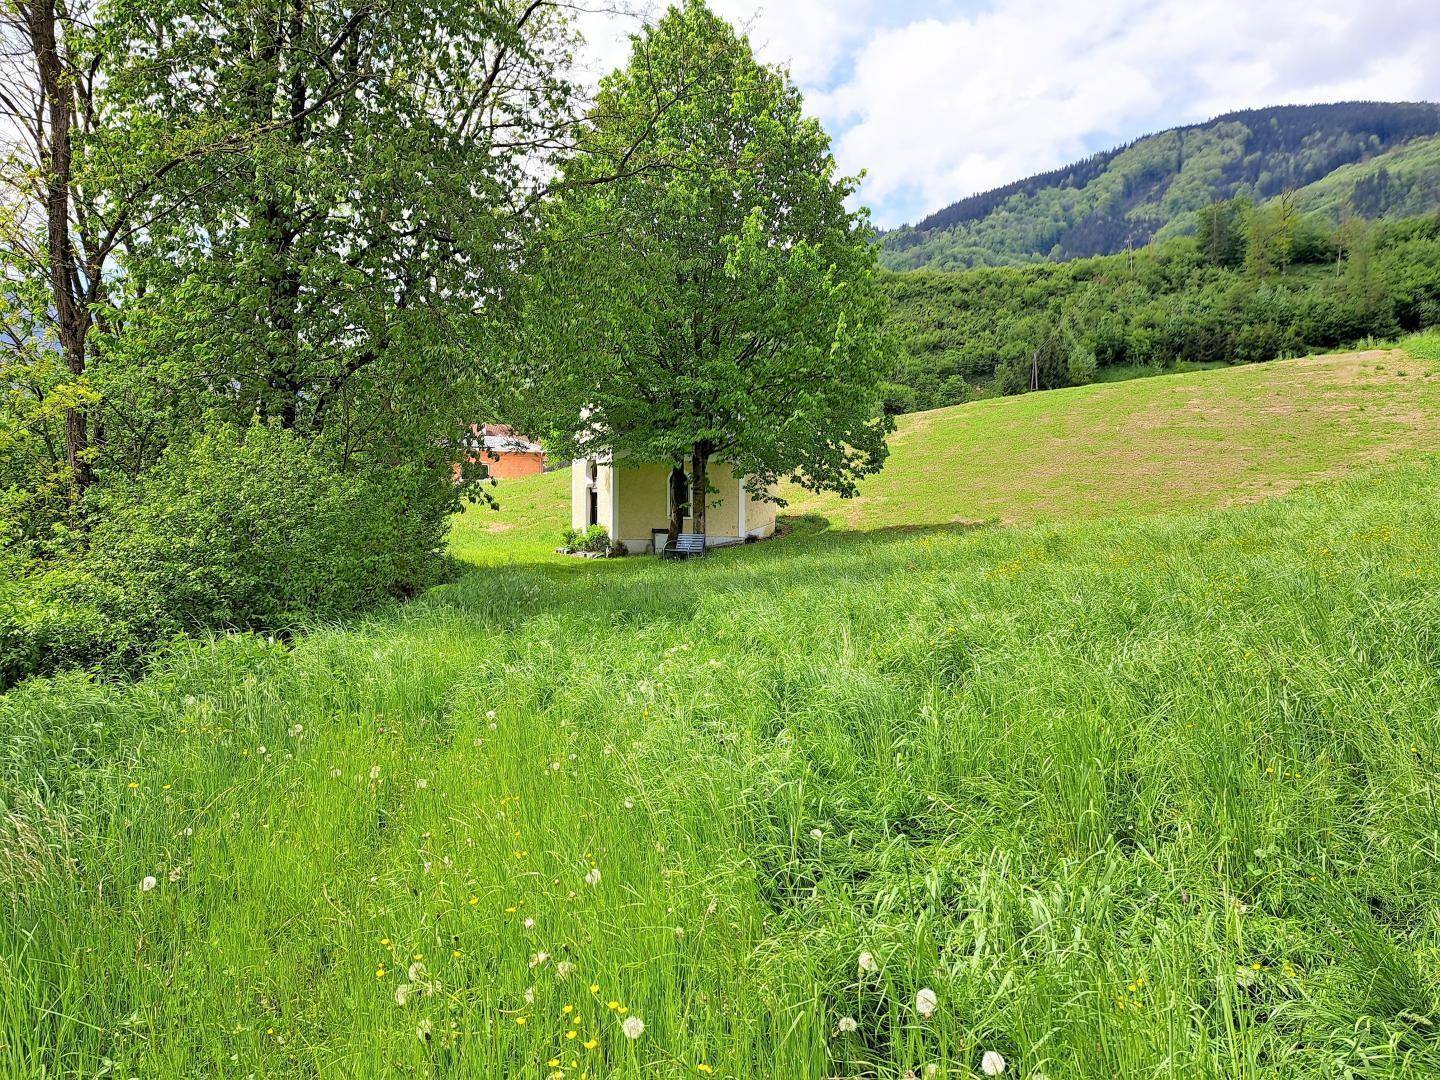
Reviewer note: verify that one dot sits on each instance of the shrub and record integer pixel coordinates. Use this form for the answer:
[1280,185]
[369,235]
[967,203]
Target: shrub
[248,530]
[1081,365]
[597,539]
[572,539]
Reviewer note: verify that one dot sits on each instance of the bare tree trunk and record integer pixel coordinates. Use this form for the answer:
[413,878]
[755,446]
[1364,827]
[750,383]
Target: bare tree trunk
[71,316]
[700,487]
[677,504]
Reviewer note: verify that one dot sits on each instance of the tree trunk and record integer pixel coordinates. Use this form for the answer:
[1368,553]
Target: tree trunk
[677,504]
[70,309]
[699,490]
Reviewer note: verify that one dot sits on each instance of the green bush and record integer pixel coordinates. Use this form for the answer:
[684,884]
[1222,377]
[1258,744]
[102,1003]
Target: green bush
[597,539]
[572,539]
[238,530]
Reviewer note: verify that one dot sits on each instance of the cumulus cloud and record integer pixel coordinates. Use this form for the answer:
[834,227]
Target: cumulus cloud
[939,100]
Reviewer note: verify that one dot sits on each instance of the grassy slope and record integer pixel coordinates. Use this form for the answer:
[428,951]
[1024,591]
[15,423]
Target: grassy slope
[1170,442]
[1134,798]
[1167,443]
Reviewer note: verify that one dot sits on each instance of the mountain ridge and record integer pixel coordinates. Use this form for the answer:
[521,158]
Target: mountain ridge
[1152,185]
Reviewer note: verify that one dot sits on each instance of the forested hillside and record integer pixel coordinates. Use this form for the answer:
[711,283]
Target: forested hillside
[1251,284]
[1383,159]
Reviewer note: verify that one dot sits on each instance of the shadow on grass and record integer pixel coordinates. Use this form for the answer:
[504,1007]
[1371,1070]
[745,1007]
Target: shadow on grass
[639,590]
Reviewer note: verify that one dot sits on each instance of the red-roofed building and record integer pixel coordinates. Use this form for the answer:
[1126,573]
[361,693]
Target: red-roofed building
[503,453]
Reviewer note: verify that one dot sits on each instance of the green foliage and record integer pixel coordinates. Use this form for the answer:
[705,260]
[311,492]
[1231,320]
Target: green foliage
[701,289]
[318,207]
[1187,301]
[596,539]
[1377,159]
[236,530]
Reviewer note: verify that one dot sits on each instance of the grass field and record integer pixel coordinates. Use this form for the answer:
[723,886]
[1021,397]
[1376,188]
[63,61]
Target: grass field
[1138,796]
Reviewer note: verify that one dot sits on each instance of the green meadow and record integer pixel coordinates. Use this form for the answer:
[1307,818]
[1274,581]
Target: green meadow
[1100,733]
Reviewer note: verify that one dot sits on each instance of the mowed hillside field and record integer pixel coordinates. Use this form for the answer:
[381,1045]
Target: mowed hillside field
[1065,741]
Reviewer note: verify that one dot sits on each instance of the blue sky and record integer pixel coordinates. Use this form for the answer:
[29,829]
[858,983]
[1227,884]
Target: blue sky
[937,100]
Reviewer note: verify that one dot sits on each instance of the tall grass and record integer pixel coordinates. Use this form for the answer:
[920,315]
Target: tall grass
[1145,798]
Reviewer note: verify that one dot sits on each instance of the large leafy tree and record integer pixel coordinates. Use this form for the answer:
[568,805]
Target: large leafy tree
[292,211]
[715,298]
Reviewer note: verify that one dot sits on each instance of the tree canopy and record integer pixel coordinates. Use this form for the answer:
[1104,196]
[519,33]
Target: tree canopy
[715,298]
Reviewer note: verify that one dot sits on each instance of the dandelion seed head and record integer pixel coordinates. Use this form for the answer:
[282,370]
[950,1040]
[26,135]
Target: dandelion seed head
[147,883]
[593,877]
[992,1063]
[848,1024]
[926,1001]
[633,1027]
[866,963]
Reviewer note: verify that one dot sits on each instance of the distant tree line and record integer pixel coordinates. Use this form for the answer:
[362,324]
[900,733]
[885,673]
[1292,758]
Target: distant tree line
[1252,283]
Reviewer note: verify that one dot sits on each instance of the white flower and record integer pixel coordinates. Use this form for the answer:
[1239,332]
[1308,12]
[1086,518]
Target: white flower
[402,994]
[925,1001]
[530,994]
[539,958]
[848,1024]
[174,875]
[608,750]
[866,963]
[422,1030]
[374,772]
[629,804]
[147,883]
[991,1063]
[633,1027]
[593,877]
[489,714]
[297,730]
[262,751]
[529,924]
[416,972]
[564,969]
[555,766]
[816,834]
[421,783]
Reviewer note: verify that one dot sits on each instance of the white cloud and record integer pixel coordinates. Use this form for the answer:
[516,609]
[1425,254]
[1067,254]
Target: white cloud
[940,100]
